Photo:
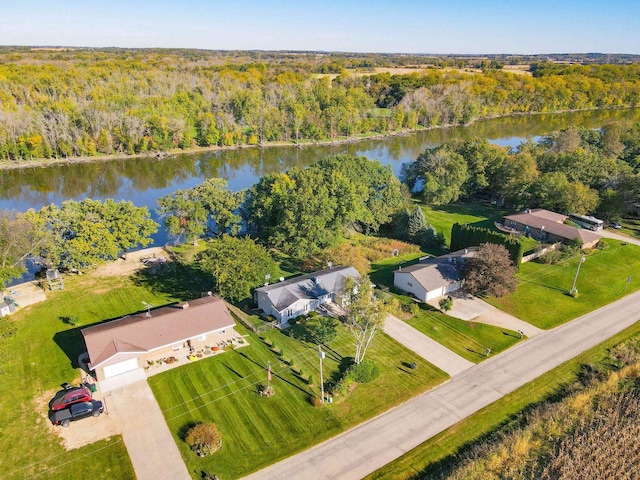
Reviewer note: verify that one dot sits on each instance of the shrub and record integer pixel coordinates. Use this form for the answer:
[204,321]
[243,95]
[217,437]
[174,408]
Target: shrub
[267,342]
[277,351]
[296,370]
[315,401]
[364,371]
[204,439]
[71,320]
[313,314]
[309,380]
[344,387]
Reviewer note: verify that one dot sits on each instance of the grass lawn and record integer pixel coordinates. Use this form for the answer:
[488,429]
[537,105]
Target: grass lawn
[441,449]
[381,272]
[468,339]
[541,297]
[442,217]
[38,353]
[630,226]
[258,431]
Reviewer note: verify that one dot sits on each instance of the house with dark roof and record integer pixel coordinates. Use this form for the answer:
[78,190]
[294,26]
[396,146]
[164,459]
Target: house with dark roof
[548,226]
[301,295]
[433,277]
[124,345]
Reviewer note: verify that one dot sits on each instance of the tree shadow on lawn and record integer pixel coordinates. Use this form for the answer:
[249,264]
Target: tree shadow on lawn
[179,281]
[543,285]
[272,373]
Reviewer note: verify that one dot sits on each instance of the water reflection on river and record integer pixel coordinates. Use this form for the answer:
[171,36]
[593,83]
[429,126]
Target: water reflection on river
[144,180]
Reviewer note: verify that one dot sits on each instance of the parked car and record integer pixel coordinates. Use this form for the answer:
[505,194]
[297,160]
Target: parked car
[75,412]
[69,396]
[616,225]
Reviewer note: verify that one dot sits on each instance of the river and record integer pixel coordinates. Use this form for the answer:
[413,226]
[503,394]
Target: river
[144,180]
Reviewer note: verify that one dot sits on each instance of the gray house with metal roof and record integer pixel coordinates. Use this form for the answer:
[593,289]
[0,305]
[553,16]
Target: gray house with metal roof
[300,295]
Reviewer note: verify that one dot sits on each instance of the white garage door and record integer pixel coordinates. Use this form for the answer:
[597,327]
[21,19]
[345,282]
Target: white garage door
[122,367]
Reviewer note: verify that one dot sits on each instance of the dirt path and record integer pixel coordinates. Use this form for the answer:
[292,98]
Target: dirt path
[132,263]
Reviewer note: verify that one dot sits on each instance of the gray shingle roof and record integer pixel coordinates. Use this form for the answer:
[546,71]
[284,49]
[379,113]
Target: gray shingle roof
[310,286]
[543,218]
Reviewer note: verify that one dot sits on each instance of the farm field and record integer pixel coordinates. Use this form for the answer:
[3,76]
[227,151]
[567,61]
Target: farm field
[223,390]
[428,459]
[542,299]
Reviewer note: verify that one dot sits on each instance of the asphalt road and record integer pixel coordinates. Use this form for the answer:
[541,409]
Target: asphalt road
[365,448]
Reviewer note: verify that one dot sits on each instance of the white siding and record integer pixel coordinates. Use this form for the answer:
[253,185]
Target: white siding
[407,283]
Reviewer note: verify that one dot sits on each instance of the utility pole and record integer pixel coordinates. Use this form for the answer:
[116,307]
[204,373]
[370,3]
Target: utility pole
[321,356]
[574,290]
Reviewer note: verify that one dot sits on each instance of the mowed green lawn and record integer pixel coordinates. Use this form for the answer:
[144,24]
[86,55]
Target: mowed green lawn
[442,217]
[258,431]
[542,295]
[468,339]
[38,352]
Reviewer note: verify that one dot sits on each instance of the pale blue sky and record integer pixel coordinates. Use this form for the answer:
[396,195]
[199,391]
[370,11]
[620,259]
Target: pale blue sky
[413,26]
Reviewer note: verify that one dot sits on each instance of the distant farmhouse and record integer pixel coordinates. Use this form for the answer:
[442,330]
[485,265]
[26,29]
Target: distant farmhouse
[124,345]
[301,295]
[548,226]
[433,277]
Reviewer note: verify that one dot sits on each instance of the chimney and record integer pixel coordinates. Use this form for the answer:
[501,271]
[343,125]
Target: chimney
[185,305]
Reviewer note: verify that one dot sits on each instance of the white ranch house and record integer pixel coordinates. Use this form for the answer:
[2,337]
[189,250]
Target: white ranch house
[301,295]
[433,277]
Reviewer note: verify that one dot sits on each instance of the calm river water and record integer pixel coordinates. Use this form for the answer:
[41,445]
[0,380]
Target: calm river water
[144,180]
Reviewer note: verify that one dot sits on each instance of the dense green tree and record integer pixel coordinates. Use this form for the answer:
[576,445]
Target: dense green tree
[438,173]
[91,232]
[554,192]
[237,265]
[322,330]
[207,208]
[19,238]
[304,210]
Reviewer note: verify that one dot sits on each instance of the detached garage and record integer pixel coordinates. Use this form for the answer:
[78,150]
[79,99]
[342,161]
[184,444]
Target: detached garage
[124,345]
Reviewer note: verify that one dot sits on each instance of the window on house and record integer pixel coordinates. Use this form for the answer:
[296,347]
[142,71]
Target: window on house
[410,284]
[176,346]
[222,332]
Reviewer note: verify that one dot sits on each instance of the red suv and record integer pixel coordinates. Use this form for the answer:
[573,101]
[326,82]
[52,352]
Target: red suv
[68,397]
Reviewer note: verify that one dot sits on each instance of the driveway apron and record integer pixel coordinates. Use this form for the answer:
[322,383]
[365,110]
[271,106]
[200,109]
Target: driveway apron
[151,446]
[432,351]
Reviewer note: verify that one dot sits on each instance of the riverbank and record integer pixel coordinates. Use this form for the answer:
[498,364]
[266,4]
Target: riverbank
[48,162]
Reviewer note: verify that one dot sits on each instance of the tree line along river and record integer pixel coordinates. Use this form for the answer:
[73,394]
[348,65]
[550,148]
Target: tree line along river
[144,180]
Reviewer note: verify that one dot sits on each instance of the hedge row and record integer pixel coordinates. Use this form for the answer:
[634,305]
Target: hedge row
[463,236]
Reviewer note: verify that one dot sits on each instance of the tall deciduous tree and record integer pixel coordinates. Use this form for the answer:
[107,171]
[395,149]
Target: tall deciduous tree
[19,238]
[490,272]
[237,265]
[365,314]
[91,232]
[439,173]
[207,208]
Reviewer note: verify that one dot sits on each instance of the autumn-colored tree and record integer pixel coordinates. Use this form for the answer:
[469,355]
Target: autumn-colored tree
[490,272]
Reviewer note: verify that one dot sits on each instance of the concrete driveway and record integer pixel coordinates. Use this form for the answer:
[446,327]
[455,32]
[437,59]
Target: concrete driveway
[427,348]
[467,307]
[151,446]
[618,236]
[373,444]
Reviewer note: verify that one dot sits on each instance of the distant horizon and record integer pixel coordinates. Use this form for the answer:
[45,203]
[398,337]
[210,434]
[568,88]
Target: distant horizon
[493,27]
[290,50]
